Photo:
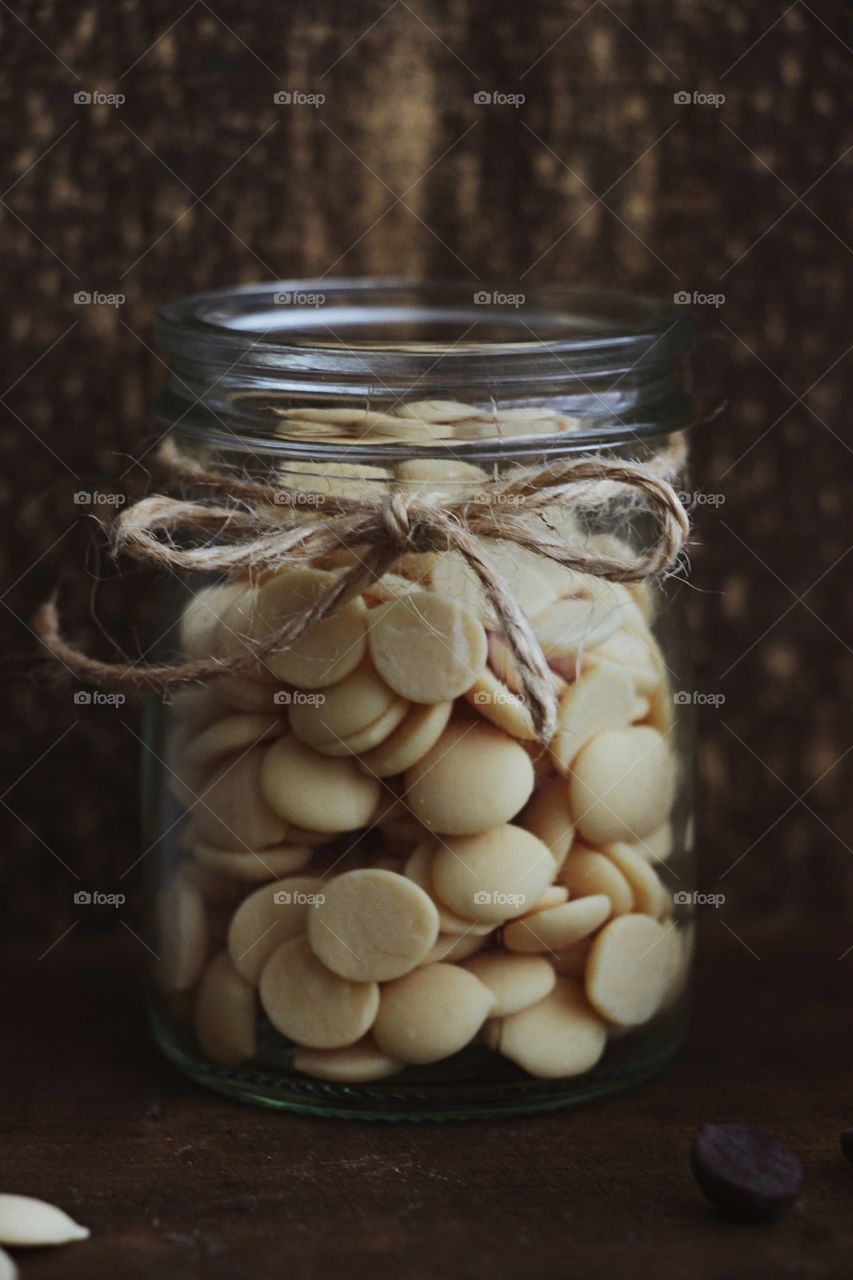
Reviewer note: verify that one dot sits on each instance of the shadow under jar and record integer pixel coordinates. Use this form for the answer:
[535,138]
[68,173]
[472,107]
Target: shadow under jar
[376,893]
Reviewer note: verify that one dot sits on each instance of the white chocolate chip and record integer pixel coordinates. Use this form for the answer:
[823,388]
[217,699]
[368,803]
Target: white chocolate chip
[628,969]
[622,785]
[515,981]
[492,876]
[345,709]
[602,698]
[357,1064]
[475,777]
[559,927]
[25,1221]
[316,791]
[650,897]
[431,1013]
[428,648]
[312,1006]
[254,866]
[415,736]
[231,812]
[330,650]
[372,925]
[586,871]
[560,1036]
[548,816]
[270,916]
[225,1013]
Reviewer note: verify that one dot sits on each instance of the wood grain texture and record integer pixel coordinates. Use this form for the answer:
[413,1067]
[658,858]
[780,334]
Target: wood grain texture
[174,1181]
[199,178]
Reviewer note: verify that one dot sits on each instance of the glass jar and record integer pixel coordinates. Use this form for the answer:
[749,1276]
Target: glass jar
[374,892]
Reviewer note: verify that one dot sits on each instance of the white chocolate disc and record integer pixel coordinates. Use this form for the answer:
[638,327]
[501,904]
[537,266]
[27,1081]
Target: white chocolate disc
[496,702]
[628,970]
[554,896]
[231,812]
[515,981]
[418,867]
[231,735]
[357,1064]
[347,708]
[428,648]
[26,1221]
[657,846]
[557,927]
[224,1016]
[586,871]
[571,961]
[204,630]
[183,934]
[330,650]
[372,925]
[312,1006]
[475,777]
[256,865]
[560,1036]
[602,698]
[453,948]
[372,736]
[493,876]
[622,785]
[431,1013]
[634,654]
[271,915]
[314,791]
[416,735]
[548,817]
[650,897]
[572,624]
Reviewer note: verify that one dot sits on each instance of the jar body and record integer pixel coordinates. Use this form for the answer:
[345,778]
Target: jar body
[375,892]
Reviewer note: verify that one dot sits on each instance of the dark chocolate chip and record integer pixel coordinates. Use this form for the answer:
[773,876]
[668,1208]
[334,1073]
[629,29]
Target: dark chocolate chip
[748,1175]
[846,1141]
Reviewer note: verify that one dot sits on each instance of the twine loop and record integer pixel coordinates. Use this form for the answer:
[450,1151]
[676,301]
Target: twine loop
[242,526]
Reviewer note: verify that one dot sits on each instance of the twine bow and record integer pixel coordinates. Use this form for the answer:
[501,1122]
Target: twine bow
[261,528]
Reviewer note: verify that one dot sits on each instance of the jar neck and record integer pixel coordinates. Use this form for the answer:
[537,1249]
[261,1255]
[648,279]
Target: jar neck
[243,359]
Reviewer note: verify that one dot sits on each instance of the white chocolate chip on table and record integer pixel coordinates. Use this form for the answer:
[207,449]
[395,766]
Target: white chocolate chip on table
[224,1015]
[309,1004]
[475,777]
[431,1013]
[271,915]
[372,925]
[26,1221]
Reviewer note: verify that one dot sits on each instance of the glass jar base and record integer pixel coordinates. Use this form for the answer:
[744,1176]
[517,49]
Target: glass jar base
[472,1086]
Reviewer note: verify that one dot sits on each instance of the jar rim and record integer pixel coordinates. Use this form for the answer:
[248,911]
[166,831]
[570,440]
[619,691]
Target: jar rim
[612,360]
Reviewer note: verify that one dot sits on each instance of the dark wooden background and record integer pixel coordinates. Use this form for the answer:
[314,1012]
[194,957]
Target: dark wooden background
[600,177]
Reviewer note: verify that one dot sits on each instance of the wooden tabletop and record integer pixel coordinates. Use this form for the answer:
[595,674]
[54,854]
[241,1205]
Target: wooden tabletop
[174,1181]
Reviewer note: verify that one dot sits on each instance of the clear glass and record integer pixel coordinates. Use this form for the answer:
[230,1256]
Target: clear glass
[373,893]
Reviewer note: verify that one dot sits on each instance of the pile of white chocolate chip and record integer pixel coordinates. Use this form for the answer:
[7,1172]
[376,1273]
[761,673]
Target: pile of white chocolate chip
[379,852]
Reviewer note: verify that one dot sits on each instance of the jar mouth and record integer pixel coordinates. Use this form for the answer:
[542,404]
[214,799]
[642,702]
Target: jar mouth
[611,362]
